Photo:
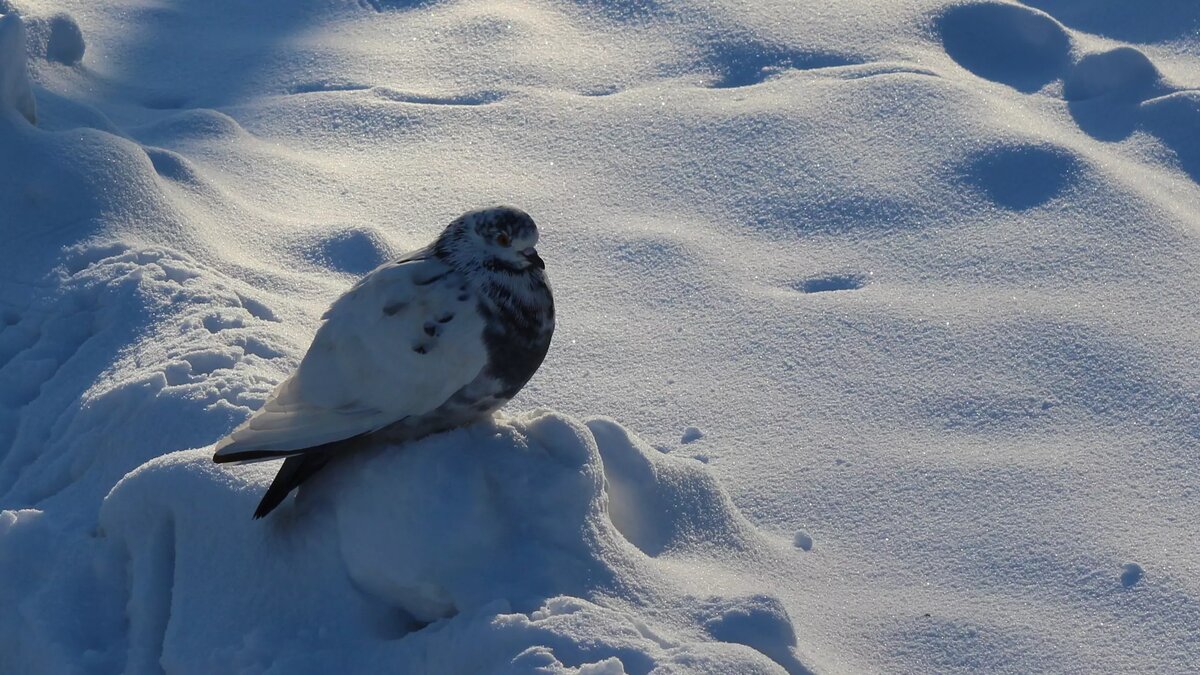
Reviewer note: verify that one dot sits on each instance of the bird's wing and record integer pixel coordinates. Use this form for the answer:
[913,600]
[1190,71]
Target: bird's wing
[399,343]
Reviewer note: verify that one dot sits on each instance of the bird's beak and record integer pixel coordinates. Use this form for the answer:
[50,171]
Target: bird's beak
[533,258]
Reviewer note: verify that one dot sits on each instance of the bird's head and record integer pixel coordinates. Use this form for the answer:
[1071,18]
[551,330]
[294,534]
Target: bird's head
[499,239]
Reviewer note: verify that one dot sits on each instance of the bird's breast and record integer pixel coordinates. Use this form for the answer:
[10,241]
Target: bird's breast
[517,336]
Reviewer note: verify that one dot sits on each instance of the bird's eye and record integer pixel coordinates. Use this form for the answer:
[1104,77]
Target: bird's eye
[503,239]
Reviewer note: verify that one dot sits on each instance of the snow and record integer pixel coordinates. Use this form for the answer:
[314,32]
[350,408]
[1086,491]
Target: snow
[15,92]
[877,344]
[496,536]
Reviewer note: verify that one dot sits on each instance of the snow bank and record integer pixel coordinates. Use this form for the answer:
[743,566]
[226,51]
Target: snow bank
[530,541]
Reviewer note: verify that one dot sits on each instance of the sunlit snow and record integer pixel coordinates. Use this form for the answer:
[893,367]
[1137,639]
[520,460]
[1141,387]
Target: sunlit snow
[877,343]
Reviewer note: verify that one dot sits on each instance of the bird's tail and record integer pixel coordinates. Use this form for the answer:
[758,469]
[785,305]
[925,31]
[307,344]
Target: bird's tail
[295,470]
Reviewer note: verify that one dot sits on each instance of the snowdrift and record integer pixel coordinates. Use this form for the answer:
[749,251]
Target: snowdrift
[536,541]
[910,284]
[531,542]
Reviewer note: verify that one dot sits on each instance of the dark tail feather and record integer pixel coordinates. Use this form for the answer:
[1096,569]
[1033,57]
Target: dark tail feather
[295,470]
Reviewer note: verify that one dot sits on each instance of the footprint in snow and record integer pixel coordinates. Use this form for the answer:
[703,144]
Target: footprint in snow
[742,64]
[825,283]
[1014,45]
[1110,94]
[1021,176]
[353,251]
[803,541]
[1131,573]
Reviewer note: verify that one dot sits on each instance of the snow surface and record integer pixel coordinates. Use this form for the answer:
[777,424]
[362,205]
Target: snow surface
[877,345]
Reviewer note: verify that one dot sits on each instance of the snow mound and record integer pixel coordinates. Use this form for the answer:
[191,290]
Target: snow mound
[15,92]
[56,38]
[1123,72]
[494,548]
[65,436]
[1175,118]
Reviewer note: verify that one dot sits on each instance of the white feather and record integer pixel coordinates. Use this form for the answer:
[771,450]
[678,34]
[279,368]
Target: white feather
[364,369]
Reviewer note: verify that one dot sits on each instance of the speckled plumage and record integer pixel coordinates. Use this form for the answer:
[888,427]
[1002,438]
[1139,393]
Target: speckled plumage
[439,338]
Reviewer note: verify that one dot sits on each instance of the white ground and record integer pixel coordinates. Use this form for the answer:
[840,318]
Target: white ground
[893,305]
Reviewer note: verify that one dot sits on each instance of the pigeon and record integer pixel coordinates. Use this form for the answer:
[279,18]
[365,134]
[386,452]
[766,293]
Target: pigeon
[437,339]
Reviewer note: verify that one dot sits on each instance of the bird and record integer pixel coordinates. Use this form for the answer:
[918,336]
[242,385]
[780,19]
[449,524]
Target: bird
[436,339]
